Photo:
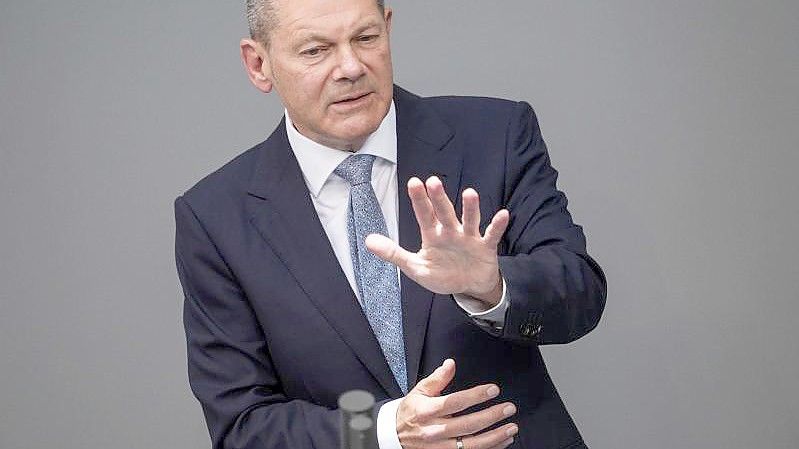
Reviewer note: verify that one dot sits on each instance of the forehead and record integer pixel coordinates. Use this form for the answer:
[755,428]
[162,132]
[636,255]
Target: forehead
[303,17]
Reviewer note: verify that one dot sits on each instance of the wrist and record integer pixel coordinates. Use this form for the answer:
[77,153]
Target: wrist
[490,297]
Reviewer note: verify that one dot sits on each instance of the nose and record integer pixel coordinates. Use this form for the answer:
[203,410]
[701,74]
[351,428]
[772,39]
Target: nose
[350,67]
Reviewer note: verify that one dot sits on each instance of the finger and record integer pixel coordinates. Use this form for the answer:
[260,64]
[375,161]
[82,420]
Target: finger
[497,227]
[471,212]
[422,208]
[386,249]
[478,421]
[504,444]
[461,400]
[442,206]
[437,381]
[495,437]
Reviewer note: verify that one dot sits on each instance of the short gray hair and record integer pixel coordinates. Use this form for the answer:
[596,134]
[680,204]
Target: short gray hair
[261,18]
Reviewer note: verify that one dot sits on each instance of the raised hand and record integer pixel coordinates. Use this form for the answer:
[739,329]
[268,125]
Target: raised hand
[424,417]
[454,257]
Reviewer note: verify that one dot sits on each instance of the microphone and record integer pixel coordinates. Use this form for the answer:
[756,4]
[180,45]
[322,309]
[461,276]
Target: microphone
[358,430]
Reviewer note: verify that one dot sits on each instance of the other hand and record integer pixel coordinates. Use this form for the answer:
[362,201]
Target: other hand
[454,257]
[424,418]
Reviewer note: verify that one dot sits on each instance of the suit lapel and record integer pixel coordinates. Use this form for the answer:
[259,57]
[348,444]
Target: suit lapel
[282,211]
[422,151]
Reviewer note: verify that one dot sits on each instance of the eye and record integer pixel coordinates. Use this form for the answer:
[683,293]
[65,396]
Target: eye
[314,51]
[366,38]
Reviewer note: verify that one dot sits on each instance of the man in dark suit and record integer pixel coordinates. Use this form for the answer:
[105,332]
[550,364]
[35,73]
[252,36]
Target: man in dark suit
[288,254]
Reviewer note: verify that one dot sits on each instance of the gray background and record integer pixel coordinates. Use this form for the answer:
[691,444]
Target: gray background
[674,125]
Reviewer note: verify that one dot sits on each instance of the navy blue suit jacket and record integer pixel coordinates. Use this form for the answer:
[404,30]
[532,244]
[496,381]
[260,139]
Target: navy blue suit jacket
[275,333]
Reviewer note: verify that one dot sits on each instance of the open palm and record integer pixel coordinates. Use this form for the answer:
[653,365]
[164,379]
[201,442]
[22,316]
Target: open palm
[454,258]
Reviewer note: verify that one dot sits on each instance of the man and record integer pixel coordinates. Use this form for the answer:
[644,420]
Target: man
[288,254]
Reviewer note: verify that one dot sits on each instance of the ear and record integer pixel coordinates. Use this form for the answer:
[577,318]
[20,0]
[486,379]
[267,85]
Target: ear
[388,14]
[256,63]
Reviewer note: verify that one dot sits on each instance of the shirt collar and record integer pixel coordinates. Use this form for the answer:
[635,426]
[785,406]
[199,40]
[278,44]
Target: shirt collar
[317,161]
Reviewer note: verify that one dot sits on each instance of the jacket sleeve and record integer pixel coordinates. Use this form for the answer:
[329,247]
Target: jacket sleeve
[556,290]
[229,365]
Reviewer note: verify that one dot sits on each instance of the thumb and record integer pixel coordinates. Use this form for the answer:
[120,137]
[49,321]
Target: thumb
[385,248]
[437,381]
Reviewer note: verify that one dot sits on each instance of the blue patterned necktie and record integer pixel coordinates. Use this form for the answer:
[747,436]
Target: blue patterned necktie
[377,279]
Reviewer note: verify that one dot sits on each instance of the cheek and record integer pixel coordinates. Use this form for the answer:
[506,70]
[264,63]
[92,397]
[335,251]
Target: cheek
[384,76]
[384,57]
[304,84]
[313,90]
[307,99]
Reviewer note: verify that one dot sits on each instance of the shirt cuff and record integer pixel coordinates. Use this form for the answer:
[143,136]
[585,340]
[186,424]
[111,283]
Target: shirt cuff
[495,315]
[387,437]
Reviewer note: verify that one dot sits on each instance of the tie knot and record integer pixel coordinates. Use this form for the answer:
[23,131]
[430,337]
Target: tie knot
[356,169]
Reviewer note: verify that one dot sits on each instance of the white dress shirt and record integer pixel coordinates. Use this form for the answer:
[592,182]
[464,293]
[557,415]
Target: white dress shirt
[330,195]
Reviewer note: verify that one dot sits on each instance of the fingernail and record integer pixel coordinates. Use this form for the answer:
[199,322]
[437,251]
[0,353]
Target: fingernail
[492,391]
[512,431]
[509,410]
[508,442]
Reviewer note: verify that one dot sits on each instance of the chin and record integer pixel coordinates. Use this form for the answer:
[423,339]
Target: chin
[358,129]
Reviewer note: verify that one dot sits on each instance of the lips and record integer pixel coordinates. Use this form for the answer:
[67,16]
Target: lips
[352,97]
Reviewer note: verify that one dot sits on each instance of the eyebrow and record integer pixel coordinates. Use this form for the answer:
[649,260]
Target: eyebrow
[312,36]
